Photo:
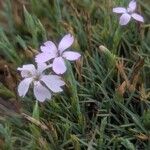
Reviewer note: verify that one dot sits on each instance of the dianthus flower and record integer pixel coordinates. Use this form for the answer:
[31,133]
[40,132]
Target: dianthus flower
[43,85]
[58,54]
[128,13]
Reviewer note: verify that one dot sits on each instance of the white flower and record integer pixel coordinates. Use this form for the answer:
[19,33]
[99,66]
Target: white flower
[128,13]
[51,51]
[43,85]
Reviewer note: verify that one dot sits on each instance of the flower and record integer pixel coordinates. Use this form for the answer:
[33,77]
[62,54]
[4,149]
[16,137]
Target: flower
[128,13]
[42,84]
[51,51]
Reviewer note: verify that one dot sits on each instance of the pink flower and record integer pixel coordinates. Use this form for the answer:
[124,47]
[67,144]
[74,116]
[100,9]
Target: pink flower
[128,13]
[51,51]
[42,84]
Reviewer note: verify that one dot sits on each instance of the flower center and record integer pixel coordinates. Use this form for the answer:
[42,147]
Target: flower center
[58,54]
[130,11]
[37,77]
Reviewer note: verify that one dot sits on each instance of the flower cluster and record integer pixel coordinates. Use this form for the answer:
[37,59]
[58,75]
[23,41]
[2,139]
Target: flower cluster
[128,13]
[52,59]
[43,81]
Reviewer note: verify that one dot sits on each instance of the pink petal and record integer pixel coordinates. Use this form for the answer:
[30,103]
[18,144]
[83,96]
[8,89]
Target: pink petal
[132,6]
[71,55]
[53,82]
[27,70]
[119,10]
[24,86]
[26,74]
[41,93]
[49,47]
[43,57]
[137,17]
[42,66]
[29,67]
[59,65]
[65,43]
[124,19]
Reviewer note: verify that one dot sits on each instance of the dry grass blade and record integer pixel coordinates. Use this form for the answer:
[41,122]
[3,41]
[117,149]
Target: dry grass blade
[129,83]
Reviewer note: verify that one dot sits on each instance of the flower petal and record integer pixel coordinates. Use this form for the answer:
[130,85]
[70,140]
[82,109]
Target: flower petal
[49,47]
[65,42]
[41,93]
[53,82]
[42,66]
[71,55]
[29,67]
[124,19]
[43,57]
[24,86]
[132,6]
[27,70]
[25,74]
[137,17]
[59,66]
[119,10]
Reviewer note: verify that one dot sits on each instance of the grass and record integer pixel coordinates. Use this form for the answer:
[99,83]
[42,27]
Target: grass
[106,102]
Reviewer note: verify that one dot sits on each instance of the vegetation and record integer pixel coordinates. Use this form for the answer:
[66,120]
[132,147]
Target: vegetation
[106,102]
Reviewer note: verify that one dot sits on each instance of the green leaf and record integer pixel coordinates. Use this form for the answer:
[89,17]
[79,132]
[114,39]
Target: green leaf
[35,113]
[127,144]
